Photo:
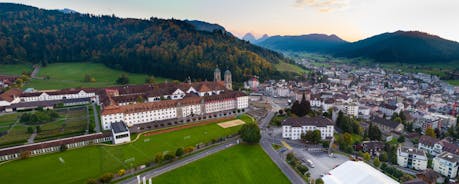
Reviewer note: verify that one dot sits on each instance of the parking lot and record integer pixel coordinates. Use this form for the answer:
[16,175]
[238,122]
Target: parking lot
[322,161]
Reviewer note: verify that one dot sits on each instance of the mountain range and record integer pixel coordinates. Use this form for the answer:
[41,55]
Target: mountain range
[401,46]
[302,43]
[161,47]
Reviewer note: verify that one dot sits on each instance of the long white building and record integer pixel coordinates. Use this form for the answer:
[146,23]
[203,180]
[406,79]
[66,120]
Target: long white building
[292,128]
[139,113]
[174,103]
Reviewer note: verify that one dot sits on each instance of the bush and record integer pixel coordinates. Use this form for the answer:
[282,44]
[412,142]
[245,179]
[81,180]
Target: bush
[376,162]
[38,117]
[188,149]
[383,157]
[179,152]
[106,178]
[319,181]
[250,133]
[121,172]
[91,181]
[169,157]
[30,130]
[159,157]
[24,154]
[302,169]
[63,148]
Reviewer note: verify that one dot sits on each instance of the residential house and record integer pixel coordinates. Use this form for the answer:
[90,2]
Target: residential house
[412,158]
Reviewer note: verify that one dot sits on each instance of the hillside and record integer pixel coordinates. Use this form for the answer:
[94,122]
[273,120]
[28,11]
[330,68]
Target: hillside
[205,26]
[164,48]
[402,46]
[303,43]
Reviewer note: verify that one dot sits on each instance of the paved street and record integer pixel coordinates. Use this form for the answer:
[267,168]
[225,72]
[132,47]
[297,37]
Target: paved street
[182,162]
[275,156]
[322,161]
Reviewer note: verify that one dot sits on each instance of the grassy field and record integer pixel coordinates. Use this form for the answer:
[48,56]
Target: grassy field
[287,67]
[67,75]
[453,82]
[71,122]
[239,164]
[15,69]
[93,161]
[7,120]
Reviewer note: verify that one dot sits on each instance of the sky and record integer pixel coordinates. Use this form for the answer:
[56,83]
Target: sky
[351,20]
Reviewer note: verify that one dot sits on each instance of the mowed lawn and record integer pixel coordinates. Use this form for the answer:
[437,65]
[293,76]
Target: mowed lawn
[15,69]
[287,67]
[67,75]
[453,82]
[238,164]
[92,162]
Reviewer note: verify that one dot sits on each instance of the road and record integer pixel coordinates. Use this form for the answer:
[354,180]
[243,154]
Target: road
[266,141]
[96,118]
[179,163]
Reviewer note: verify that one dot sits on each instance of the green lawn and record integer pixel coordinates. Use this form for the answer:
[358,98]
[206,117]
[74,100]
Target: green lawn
[15,69]
[66,75]
[93,161]
[287,67]
[238,164]
[16,135]
[453,82]
[70,122]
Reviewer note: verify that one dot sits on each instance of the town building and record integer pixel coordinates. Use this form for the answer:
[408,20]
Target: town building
[292,128]
[171,104]
[120,133]
[412,158]
[372,147]
[387,125]
[435,146]
[446,164]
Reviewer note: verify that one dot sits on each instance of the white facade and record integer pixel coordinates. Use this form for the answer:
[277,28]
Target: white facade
[412,158]
[172,112]
[294,133]
[316,103]
[446,164]
[46,97]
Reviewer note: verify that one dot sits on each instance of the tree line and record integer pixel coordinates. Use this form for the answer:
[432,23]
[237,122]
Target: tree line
[165,48]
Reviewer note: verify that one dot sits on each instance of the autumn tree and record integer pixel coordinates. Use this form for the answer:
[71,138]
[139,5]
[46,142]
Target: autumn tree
[431,132]
[250,133]
[150,80]
[376,162]
[122,80]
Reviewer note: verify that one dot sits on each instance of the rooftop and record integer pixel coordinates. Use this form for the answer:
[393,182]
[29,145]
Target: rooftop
[413,151]
[119,127]
[356,172]
[305,121]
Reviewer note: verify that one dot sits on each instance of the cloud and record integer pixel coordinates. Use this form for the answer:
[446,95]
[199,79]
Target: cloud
[323,5]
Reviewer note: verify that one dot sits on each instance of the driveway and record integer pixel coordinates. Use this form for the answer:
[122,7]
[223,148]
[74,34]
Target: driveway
[323,163]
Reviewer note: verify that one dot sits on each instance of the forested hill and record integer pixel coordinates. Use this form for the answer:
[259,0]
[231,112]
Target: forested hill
[166,48]
[403,46]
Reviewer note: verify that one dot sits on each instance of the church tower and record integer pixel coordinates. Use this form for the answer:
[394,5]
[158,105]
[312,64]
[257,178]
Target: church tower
[217,75]
[228,80]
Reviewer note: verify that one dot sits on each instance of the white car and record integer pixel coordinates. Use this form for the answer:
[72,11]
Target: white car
[311,164]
